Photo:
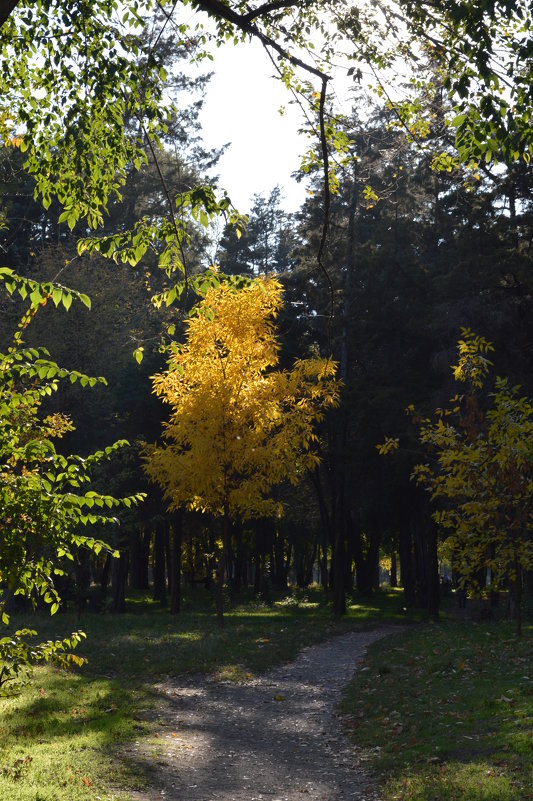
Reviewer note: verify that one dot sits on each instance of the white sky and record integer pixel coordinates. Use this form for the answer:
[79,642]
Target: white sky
[242,107]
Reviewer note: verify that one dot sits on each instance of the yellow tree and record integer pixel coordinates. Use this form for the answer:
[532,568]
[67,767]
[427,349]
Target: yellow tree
[481,474]
[238,426]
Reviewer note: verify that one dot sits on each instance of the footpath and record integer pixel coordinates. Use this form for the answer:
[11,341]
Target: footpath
[274,738]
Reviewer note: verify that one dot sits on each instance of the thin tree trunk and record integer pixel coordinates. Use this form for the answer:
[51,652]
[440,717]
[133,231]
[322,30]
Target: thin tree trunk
[175,562]
[393,570]
[105,574]
[119,575]
[219,596]
[405,549]
[433,589]
[518,597]
[160,593]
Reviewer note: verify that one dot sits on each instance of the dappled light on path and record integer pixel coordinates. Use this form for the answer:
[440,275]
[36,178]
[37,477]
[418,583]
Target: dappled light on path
[275,737]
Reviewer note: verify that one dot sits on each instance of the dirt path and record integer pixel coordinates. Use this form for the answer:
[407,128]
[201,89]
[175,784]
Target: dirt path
[275,738]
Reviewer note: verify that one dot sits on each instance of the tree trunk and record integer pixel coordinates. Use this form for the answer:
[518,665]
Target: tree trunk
[219,597]
[339,594]
[175,562]
[104,582]
[393,570]
[433,588]
[518,597]
[405,550]
[279,578]
[257,564]
[160,592]
[222,567]
[265,582]
[139,556]
[168,555]
[119,575]
[83,580]
[421,566]
[366,563]
[239,572]
[325,531]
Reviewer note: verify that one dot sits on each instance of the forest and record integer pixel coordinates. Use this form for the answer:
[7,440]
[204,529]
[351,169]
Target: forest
[348,384]
[232,405]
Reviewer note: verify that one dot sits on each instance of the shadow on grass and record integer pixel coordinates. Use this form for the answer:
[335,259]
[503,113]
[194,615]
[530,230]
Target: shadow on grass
[147,642]
[59,706]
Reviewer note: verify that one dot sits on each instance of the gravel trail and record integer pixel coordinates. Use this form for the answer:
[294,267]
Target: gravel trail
[274,738]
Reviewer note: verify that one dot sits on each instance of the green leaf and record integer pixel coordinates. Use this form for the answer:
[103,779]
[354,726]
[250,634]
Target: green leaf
[458,120]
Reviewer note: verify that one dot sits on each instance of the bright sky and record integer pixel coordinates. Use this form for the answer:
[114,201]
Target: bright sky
[242,107]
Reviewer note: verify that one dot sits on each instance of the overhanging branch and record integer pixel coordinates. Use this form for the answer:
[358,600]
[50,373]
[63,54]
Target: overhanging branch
[6,8]
[219,10]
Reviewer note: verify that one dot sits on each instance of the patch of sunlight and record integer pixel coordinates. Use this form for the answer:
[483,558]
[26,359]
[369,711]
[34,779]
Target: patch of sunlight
[236,674]
[141,639]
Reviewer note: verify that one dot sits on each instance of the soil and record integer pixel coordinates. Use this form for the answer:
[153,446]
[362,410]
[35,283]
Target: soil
[276,737]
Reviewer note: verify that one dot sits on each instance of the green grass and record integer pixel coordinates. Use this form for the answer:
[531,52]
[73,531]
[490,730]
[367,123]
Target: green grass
[63,738]
[58,739]
[446,713]
[147,642]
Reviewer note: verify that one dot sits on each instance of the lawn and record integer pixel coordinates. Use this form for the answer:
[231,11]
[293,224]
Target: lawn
[445,713]
[62,738]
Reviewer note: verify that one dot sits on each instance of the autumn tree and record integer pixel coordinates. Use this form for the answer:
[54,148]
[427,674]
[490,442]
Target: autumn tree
[238,426]
[480,474]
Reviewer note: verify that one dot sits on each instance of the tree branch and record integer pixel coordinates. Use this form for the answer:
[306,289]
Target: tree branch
[274,5]
[220,10]
[6,8]
[216,8]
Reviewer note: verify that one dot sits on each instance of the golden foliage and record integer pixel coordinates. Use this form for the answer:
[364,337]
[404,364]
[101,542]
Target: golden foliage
[238,427]
[480,470]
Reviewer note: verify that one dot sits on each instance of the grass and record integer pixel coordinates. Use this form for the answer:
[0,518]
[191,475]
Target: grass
[65,737]
[445,713]
[58,738]
[147,642]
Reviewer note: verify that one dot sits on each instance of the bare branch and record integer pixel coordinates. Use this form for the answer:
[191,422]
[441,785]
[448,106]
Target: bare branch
[218,9]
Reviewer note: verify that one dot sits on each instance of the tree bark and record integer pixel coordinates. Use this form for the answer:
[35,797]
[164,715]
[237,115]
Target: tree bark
[175,562]
[518,596]
[405,550]
[433,589]
[139,557]
[339,594]
[119,575]
[104,581]
[160,593]
[393,570]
